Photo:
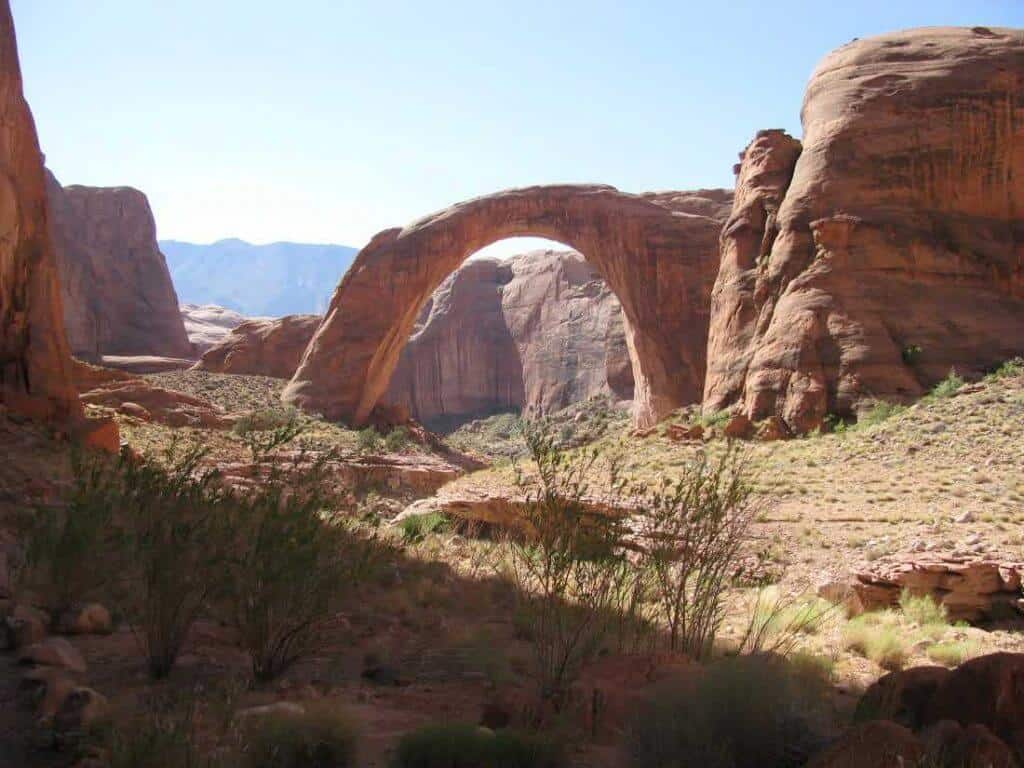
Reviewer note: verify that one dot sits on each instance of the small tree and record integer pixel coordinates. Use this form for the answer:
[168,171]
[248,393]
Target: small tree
[173,538]
[291,565]
[570,571]
[691,533]
[64,543]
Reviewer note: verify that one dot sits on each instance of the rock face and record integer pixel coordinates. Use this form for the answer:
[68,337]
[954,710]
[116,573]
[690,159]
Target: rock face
[887,249]
[533,333]
[657,253]
[117,292]
[35,364]
[971,588]
[263,347]
[208,325]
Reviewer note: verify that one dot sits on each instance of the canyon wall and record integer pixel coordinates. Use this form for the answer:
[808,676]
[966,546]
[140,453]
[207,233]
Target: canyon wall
[35,364]
[888,248]
[117,292]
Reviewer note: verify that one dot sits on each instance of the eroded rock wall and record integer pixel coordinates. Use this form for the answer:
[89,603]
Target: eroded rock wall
[893,250]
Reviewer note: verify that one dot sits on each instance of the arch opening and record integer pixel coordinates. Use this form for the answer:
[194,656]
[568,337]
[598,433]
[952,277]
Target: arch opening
[657,257]
[524,326]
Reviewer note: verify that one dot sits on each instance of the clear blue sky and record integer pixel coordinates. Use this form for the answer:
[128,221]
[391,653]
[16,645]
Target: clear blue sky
[328,120]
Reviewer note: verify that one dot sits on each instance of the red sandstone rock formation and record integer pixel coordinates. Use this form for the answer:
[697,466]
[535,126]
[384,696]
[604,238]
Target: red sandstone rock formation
[117,292]
[537,332]
[896,227]
[35,366]
[654,252]
[263,347]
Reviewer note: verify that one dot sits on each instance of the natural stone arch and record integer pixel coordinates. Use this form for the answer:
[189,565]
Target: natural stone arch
[657,252]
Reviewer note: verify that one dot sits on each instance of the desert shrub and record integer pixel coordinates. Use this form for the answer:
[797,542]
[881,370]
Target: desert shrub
[879,412]
[876,637]
[64,544]
[949,386]
[741,712]
[778,620]
[397,440]
[264,431]
[368,440]
[321,737]
[922,609]
[1008,369]
[171,546]
[691,534]
[569,573]
[713,418]
[291,563]
[467,746]
[951,654]
[416,528]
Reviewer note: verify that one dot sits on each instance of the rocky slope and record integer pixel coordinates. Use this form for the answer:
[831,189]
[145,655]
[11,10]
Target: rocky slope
[262,346]
[117,293]
[887,249]
[35,374]
[208,325]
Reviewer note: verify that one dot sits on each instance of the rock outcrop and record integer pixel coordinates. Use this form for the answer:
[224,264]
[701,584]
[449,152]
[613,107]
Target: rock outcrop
[658,254]
[117,292]
[264,347]
[533,333]
[888,248]
[207,325]
[971,588]
[35,364]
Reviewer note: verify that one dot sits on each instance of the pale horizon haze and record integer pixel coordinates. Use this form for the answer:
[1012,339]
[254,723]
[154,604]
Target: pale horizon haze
[325,122]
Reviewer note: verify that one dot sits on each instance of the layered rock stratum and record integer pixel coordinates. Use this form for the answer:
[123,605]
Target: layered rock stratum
[535,333]
[207,325]
[888,248]
[35,364]
[117,292]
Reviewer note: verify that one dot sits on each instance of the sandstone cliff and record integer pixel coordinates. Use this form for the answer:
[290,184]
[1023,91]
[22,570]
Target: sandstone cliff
[887,249]
[35,366]
[534,333]
[117,292]
[262,346]
[207,325]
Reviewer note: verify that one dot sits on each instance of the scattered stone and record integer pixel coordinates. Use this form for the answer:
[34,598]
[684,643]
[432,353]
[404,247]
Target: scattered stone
[81,708]
[872,744]
[89,619]
[738,427]
[773,428]
[53,652]
[964,517]
[681,433]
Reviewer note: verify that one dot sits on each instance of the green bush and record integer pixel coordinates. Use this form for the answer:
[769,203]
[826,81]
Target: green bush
[291,565]
[418,527]
[879,412]
[740,712]
[923,609]
[63,544]
[321,737]
[397,440]
[948,387]
[1008,369]
[875,636]
[467,746]
[368,440]
[263,431]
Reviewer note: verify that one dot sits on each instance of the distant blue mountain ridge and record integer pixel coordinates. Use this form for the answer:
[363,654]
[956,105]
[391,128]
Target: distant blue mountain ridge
[271,280]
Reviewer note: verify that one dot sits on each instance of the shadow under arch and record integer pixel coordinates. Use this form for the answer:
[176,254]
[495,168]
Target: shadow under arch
[657,252]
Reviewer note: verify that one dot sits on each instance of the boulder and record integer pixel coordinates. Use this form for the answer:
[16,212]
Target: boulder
[140,399]
[35,377]
[901,696]
[872,744]
[23,626]
[738,427]
[263,347]
[971,588]
[88,619]
[81,708]
[895,226]
[987,690]
[684,433]
[947,743]
[45,689]
[53,652]
[116,289]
